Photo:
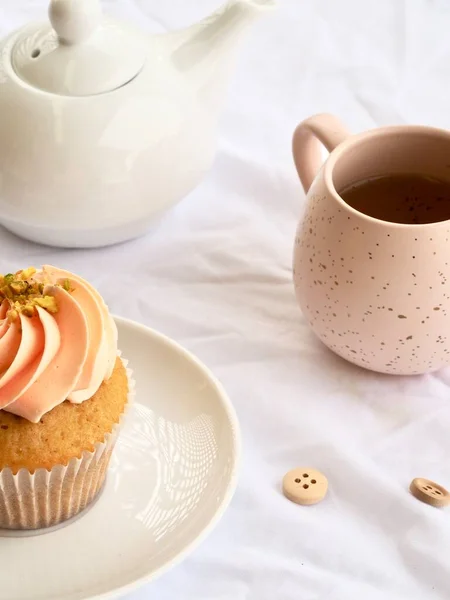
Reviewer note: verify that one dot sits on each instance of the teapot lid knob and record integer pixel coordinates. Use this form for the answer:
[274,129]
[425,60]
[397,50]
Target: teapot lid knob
[75,20]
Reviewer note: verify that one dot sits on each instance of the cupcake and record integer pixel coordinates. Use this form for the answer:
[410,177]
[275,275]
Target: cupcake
[63,392]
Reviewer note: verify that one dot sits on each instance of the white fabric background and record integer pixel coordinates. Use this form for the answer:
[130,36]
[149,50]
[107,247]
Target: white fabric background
[216,276]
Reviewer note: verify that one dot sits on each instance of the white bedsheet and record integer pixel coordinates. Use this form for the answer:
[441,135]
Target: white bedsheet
[216,276]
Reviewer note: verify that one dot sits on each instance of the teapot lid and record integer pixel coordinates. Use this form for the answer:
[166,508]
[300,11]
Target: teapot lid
[81,55]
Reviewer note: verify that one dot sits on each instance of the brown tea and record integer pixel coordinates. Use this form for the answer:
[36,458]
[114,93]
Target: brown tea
[401,198]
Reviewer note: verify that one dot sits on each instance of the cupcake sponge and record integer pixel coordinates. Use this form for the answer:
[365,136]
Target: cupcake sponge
[66,431]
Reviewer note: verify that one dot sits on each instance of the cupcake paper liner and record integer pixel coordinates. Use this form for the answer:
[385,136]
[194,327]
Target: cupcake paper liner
[42,499]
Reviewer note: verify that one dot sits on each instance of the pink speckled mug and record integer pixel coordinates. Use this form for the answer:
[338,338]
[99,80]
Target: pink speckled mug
[376,292]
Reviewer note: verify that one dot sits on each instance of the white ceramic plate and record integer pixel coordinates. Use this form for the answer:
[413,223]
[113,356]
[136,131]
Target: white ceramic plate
[172,476]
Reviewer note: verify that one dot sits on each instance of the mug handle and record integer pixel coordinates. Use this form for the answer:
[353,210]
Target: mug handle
[324,128]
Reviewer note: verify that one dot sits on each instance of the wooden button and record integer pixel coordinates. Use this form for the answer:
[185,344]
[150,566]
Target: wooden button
[429,492]
[305,486]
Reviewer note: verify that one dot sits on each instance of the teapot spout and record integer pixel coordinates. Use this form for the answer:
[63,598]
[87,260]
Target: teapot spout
[207,49]
[228,22]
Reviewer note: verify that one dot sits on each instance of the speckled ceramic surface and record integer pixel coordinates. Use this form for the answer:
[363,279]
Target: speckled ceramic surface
[375,292]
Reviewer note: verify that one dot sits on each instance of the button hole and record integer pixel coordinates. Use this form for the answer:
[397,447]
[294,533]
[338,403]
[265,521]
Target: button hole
[297,480]
[305,475]
[306,486]
[36,52]
[313,481]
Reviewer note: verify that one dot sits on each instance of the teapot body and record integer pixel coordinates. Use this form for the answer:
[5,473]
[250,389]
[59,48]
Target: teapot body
[104,128]
[95,170]
[375,292]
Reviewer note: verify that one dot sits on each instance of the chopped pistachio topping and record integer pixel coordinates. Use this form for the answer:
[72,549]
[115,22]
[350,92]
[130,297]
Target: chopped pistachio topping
[27,309]
[25,293]
[18,287]
[12,315]
[47,302]
[26,273]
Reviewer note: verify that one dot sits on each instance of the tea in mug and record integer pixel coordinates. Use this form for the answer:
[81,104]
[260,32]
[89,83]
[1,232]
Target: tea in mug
[412,199]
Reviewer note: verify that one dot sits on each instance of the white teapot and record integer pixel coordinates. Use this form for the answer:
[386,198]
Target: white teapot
[103,128]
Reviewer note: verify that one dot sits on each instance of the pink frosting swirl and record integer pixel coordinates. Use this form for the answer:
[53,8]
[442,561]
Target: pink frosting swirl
[49,358]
